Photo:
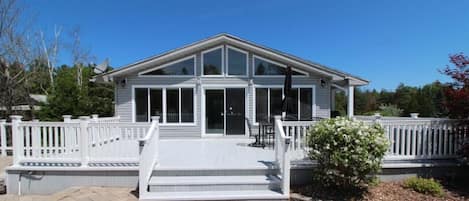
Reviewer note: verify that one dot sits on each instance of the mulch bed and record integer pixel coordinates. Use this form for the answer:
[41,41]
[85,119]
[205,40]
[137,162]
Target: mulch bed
[383,191]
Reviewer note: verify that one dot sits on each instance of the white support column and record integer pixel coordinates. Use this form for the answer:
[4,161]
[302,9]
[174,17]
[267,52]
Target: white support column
[84,140]
[333,91]
[350,96]
[17,139]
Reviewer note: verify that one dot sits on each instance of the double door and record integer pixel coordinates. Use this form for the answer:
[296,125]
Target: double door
[225,111]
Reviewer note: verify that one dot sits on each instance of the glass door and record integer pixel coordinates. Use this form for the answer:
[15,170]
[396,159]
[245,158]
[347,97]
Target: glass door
[214,111]
[235,111]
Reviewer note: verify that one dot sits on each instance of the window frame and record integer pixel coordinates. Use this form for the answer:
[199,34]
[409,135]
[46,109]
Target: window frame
[254,57]
[202,73]
[227,74]
[164,105]
[298,87]
[141,74]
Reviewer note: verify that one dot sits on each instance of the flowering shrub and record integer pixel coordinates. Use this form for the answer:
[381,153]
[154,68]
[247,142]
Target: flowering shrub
[347,151]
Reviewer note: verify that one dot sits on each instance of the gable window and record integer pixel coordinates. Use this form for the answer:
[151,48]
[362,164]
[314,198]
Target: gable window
[182,67]
[237,62]
[265,67]
[212,62]
[173,105]
[269,104]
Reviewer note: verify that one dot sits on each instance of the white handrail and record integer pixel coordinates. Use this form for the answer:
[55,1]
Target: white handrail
[148,155]
[282,158]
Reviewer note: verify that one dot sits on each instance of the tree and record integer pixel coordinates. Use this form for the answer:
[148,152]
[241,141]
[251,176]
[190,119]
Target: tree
[457,91]
[70,98]
[15,55]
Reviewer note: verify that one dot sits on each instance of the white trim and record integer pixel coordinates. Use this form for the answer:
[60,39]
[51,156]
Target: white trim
[164,105]
[141,74]
[255,87]
[336,75]
[228,47]
[254,57]
[222,47]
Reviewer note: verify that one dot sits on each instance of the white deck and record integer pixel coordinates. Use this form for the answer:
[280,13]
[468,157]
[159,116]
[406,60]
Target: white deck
[216,153]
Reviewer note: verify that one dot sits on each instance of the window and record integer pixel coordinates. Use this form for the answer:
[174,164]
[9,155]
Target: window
[269,102]
[306,104]
[177,102]
[263,67]
[182,67]
[262,107]
[187,105]
[237,62]
[213,62]
[141,101]
[156,103]
[172,105]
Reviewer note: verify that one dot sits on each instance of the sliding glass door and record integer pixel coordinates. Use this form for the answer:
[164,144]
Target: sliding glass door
[225,111]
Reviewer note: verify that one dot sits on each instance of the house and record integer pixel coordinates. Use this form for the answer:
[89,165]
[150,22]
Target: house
[183,122]
[210,87]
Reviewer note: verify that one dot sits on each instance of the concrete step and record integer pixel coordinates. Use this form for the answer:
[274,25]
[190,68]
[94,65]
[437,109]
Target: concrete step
[215,195]
[213,183]
[214,172]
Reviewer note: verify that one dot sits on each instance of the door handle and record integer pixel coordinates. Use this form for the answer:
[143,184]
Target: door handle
[222,114]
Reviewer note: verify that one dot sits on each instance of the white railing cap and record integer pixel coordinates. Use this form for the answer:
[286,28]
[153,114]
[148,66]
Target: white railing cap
[3,120]
[16,117]
[84,117]
[155,118]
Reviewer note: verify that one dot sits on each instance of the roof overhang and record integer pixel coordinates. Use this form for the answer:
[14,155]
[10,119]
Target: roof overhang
[334,75]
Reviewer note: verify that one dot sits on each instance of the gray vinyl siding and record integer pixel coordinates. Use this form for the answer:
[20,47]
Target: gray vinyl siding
[124,107]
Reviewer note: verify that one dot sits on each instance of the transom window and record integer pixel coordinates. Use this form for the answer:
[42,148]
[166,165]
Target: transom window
[173,105]
[182,67]
[237,62]
[269,103]
[265,67]
[212,62]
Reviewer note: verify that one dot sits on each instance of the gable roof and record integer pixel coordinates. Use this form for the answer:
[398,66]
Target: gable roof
[336,75]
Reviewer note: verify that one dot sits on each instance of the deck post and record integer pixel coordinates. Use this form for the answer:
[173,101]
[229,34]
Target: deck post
[350,103]
[3,136]
[84,120]
[67,118]
[94,117]
[17,138]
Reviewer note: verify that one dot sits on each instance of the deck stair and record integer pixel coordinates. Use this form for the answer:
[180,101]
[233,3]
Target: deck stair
[215,184]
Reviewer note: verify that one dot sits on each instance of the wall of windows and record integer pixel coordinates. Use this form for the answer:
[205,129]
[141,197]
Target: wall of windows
[269,103]
[181,67]
[173,105]
[224,60]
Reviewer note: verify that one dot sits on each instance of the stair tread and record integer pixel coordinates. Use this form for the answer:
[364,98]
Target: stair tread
[215,195]
[194,180]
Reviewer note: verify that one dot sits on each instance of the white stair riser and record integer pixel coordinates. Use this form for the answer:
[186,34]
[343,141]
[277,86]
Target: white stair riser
[215,172]
[214,187]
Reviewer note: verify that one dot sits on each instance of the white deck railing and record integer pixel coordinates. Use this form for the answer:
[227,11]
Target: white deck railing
[81,142]
[115,142]
[410,138]
[5,137]
[282,158]
[423,139]
[149,146]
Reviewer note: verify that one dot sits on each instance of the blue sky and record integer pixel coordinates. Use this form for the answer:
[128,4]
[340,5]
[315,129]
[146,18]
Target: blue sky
[386,42]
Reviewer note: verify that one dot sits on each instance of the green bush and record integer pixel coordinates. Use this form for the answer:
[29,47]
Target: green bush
[348,152]
[425,186]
